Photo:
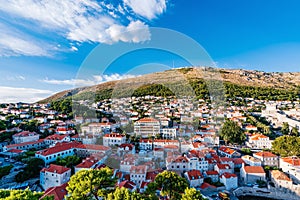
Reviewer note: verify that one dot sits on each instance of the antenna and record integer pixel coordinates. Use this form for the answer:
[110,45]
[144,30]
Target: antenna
[173,65]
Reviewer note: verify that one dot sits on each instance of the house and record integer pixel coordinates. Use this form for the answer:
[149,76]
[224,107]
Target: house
[113,139]
[126,149]
[91,162]
[280,179]
[127,162]
[130,185]
[291,166]
[267,158]
[194,178]
[169,133]
[146,127]
[54,175]
[25,136]
[53,139]
[138,174]
[26,145]
[251,128]
[59,150]
[214,175]
[227,152]
[250,160]
[222,168]
[177,163]
[57,192]
[229,180]
[259,141]
[250,174]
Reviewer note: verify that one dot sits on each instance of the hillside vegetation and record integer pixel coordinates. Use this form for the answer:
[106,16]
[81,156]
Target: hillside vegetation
[198,82]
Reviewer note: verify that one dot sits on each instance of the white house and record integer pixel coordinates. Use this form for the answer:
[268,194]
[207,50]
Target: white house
[25,136]
[138,174]
[54,175]
[229,180]
[177,163]
[113,139]
[267,158]
[259,141]
[280,179]
[250,174]
[222,168]
[291,165]
[91,162]
[249,160]
[146,127]
[169,133]
[194,178]
[59,150]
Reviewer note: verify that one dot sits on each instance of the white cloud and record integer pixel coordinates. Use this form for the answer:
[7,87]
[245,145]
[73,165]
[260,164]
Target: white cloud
[149,9]
[75,20]
[14,42]
[29,95]
[96,79]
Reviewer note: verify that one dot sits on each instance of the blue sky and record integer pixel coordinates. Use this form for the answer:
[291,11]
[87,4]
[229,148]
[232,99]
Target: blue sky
[43,43]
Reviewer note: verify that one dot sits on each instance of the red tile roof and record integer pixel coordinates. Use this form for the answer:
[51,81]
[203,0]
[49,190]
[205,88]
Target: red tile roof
[207,185]
[15,151]
[63,146]
[194,174]
[229,175]
[265,154]
[56,169]
[295,161]
[223,166]
[253,169]
[226,150]
[25,134]
[212,173]
[57,192]
[25,143]
[146,119]
[127,184]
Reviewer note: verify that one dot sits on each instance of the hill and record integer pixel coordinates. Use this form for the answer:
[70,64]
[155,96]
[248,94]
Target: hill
[198,81]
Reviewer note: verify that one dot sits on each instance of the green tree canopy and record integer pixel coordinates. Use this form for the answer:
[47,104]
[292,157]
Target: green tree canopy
[192,193]
[34,163]
[231,132]
[88,184]
[285,129]
[2,125]
[171,184]
[287,146]
[20,194]
[294,131]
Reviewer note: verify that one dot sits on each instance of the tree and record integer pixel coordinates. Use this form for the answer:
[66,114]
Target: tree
[286,145]
[88,184]
[171,184]
[34,163]
[285,129]
[119,194]
[231,132]
[191,193]
[20,194]
[294,131]
[2,125]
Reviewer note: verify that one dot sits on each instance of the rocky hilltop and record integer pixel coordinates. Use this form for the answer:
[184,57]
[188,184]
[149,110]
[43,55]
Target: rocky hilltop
[184,76]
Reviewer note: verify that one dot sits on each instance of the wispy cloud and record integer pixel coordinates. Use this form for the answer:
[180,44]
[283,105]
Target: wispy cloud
[74,20]
[15,94]
[15,78]
[149,9]
[14,42]
[96,79]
